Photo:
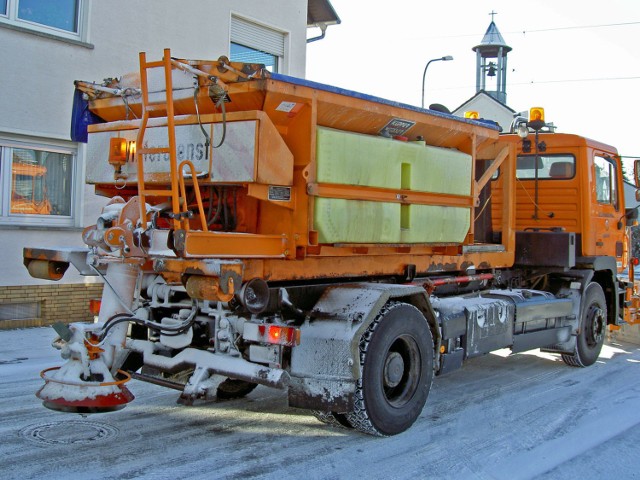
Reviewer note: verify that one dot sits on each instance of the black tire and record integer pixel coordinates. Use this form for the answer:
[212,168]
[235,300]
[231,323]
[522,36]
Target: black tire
[231,388]
[133,363]
[593,326]
[135,360]
[333,419]
[396,360]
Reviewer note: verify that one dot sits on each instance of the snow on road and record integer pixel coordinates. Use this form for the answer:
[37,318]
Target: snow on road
[500,417]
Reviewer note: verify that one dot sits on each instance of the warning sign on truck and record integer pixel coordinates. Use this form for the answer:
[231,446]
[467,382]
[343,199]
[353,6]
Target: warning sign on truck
[396,126]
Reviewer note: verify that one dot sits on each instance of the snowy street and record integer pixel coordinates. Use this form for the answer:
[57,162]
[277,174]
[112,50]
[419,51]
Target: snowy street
[500,417]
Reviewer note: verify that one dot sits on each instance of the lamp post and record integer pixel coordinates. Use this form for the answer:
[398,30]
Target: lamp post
[446,58]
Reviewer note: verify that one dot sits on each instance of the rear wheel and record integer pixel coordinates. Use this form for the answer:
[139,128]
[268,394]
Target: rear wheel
[591,333]
[334,419]
[396,360]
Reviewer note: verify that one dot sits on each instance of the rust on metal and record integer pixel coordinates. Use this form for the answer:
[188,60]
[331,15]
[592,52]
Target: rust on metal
[210,288]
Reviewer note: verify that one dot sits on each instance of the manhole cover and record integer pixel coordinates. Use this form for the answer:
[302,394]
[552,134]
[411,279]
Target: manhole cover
[69,433]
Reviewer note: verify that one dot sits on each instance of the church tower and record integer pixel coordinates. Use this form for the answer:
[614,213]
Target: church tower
[491,63]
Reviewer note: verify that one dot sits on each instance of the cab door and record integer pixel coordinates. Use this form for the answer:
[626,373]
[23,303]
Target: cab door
[607,207]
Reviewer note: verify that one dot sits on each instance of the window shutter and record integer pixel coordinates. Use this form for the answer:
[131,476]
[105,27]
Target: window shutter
[256,36]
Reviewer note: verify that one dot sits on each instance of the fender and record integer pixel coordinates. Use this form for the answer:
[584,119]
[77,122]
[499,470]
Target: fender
[325,366]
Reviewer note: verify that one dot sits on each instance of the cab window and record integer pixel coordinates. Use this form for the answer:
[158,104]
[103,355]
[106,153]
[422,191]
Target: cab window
[552,167]
[605,176]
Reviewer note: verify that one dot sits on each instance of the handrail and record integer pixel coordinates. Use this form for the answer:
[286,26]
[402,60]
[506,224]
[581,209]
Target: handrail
[183,192]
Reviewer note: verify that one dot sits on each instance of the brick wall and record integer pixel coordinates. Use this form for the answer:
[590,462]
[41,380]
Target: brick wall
[39,305]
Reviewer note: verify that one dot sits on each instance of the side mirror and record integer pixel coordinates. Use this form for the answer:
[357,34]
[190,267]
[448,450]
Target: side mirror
[636,172]
[631,217]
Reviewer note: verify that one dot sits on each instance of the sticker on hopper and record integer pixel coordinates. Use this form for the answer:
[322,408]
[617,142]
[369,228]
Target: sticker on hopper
[396,126]
[279,194]
[286,106]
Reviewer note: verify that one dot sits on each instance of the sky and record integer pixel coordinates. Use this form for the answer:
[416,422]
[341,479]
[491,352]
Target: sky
[580,60]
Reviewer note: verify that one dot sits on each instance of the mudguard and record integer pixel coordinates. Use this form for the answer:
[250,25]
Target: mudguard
[325,366]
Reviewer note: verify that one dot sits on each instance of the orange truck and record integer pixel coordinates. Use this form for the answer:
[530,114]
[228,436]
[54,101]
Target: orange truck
[268,230]
[29,190]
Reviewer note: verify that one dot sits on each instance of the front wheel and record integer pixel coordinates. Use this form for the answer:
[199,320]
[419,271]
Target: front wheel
[396,360]
[591,332]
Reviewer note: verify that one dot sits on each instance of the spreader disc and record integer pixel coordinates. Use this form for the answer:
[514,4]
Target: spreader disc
[84,397]
[99,404]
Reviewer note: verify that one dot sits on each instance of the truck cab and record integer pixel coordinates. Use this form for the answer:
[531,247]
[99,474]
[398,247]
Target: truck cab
[572,184]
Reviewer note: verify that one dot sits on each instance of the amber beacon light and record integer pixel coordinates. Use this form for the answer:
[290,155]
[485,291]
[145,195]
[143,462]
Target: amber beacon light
[536,118]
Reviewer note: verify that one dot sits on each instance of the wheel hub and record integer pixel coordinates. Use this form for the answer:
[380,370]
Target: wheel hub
[393,369]
[596,325]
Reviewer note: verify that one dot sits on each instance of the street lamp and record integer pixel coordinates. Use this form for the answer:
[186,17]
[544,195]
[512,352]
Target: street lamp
[446,58]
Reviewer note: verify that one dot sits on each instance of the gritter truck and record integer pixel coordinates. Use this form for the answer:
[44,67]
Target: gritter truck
[267,230]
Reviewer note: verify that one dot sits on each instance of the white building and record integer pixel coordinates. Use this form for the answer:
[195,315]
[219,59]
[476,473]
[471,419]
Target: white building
[46,45]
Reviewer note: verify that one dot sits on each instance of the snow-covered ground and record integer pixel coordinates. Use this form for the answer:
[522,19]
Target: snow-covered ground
[500,417]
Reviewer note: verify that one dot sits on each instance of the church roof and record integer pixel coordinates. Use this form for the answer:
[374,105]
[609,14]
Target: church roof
[489,98]
[492,42]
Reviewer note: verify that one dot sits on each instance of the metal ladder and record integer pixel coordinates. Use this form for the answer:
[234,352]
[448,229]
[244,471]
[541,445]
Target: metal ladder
[180,214]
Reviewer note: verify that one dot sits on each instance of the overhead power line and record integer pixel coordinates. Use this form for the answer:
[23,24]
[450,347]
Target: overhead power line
[576,27]
[540,30]
[534,82]
[570,80]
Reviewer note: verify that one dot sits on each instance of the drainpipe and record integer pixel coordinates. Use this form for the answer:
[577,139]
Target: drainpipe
[323,28]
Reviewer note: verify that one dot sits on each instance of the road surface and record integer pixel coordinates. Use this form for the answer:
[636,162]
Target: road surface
[500,417]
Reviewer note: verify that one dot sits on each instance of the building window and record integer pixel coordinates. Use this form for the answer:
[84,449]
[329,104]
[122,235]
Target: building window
[20,311]
[253,43]
[62,18]
[37,184]
[240,53]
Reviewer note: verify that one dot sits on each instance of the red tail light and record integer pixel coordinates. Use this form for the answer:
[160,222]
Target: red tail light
[94,306]
[280,335]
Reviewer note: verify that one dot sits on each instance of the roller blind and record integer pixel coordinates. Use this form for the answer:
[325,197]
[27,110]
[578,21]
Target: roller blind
[256,36]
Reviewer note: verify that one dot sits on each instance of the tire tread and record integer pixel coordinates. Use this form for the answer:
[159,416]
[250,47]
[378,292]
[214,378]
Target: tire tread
[574,359]
[359,418]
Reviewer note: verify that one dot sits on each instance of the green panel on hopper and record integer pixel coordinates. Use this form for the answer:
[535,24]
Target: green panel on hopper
[354,159]
[355,221]
[438,170]
[434,224]
[364,160]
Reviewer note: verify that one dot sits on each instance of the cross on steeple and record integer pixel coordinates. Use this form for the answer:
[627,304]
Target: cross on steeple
[493,14]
